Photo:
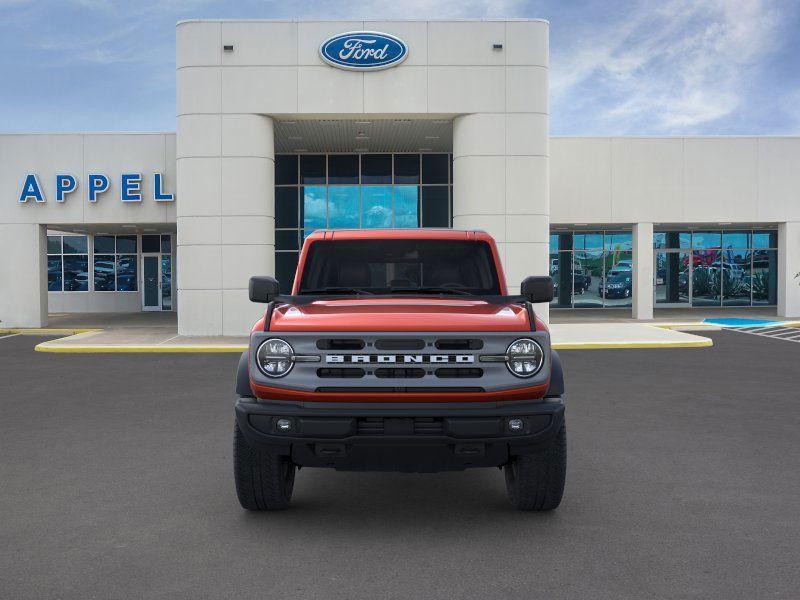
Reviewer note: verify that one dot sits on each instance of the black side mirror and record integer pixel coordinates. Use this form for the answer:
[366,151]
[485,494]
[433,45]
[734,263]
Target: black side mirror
[263,289]
[538,288]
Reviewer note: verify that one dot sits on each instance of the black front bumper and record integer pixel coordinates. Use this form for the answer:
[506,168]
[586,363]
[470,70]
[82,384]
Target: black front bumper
[414,437]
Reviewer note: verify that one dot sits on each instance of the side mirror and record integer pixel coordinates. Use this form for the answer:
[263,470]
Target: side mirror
[538,288]
[263,289]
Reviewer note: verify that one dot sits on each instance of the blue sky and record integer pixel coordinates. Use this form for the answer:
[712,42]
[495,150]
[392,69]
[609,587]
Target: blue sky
[617,68]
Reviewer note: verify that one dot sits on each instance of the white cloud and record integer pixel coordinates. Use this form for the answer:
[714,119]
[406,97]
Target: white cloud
[669,69]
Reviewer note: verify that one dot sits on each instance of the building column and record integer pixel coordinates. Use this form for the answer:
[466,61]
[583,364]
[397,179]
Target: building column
[642,271]
[23,271]
[788,269]
[501,185]
[226,223]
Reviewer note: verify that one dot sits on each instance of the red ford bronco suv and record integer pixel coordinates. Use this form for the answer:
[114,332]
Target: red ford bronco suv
[400,350]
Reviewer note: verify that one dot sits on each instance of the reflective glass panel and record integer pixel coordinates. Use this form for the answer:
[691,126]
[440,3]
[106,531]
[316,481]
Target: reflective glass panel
[617,285]
[406,206]
[736,277]
[561,272]
[166,244]
[312,168]
[76,273]
[672,239]
[672,277]
[406,168]
[54,280]
[313,207]
[285,169]
[618,241]
[285,267]
[104,244]
[126,244]
[343,206]
[765,277]
[376,206]
[75,244]
[151,243]
[166,282]
[765,239]
[736,239]
[286,207]
[376,168]
[553,243]
[126,273]
[706,277]
[286,239]
[54,244]
[587,277]
[706,239]
[435,205]
[588,241]
[343,168]
[434,168]
[104,272]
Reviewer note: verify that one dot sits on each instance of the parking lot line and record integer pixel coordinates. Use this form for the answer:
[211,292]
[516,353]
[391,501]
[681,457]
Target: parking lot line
[2,337]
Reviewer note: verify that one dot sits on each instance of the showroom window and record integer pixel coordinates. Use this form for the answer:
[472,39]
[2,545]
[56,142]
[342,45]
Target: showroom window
[67,263]
[716,267]
[591,269]
[355,191]
[115,263]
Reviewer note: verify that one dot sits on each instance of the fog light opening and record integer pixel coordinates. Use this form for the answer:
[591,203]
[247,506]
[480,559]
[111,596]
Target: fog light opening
[516,425]
[283,425]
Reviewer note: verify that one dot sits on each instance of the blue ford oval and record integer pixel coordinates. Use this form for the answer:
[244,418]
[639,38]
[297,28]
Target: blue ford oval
[363,50]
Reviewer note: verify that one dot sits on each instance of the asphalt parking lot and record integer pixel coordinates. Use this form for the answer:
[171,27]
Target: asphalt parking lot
[115,482]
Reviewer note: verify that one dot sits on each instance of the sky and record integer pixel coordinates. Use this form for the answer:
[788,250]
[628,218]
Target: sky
[669,67]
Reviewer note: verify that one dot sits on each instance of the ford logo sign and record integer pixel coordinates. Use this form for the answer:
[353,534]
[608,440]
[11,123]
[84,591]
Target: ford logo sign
[363,50]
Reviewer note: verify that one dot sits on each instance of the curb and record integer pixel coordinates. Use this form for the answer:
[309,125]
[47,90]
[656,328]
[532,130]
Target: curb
[155,349]
[704,343]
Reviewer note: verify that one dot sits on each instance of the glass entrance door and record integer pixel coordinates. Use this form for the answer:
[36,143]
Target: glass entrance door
[151,279]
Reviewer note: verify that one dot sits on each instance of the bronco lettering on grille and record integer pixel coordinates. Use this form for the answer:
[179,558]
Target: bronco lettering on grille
[400,358]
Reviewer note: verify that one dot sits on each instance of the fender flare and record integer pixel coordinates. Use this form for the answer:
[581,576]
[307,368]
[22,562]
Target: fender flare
[556,388]
[243,389]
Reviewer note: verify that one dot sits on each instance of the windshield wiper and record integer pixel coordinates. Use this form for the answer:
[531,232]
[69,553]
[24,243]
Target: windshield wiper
[337,290]
[431,290]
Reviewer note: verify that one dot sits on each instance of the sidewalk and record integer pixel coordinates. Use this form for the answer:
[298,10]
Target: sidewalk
[136,334]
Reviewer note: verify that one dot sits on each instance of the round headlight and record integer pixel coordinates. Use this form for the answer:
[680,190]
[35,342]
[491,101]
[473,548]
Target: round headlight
[275,357]
[525,358]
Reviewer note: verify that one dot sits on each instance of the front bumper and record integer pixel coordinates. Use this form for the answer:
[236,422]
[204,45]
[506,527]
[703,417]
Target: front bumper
[413,437]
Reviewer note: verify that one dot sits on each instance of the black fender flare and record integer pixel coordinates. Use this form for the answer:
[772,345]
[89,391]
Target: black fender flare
[243,389]
[556,388]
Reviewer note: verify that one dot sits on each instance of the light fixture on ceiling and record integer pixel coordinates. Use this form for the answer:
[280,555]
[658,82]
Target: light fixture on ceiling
[360,149]
[728,223]
[441,121]
[402,121]
[301,150]
[128,226]
[150,230]
[432,137]
[363,122]
[426,149]
[288,122]
[328,121]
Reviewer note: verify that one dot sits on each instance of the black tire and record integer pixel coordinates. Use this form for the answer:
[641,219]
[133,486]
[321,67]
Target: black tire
[536,481]
[263,481]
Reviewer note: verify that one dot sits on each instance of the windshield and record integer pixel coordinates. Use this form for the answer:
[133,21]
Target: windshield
[399,266]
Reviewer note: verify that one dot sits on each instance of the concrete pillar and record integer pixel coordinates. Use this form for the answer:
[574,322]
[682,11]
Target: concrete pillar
[643,271]
[788,269]
[501,185]
[226,223]
[23,273]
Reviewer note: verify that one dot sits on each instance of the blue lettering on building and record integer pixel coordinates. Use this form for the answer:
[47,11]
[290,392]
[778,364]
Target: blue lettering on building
[31,190]
[130,190]
[65,184]
[363,50]
[130,187]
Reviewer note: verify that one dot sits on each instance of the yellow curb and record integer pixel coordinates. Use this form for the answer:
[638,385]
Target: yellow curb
[98,349]
[704,343]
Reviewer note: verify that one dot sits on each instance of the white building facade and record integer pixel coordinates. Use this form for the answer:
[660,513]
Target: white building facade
[275,140]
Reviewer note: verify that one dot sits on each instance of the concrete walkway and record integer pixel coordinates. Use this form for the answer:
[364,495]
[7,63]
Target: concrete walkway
[157,333]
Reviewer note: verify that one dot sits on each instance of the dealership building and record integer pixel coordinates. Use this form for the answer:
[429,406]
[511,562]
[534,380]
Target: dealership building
[285,127]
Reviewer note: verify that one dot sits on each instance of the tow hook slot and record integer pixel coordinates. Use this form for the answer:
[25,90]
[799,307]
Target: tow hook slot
[470,449]
[329,450]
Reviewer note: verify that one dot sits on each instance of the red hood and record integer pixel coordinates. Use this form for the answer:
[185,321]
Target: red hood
[400,314]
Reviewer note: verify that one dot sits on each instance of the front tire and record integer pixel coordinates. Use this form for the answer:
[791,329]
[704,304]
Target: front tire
[536,481]
[263,481]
